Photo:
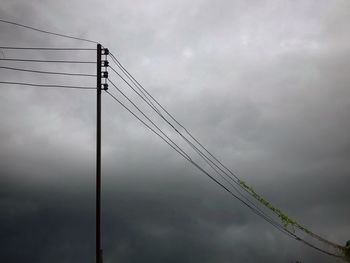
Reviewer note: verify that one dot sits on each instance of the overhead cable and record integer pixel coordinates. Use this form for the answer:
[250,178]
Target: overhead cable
[49,61]
[48,72]
[47,32]
[44,85]
[204,156]
[276,225]
[115,86]
[48,48]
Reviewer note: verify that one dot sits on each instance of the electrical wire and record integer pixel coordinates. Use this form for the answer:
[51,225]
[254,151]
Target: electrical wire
[277,226]
[261,212]
[139,110]
[161,115]
[48,72]
[48,48]
[46,32]
[48,61]
[44,85]
[144,97]
[195,148]
[181,152]
[203,156]
[144,123]
[91,41]
[126,72]
[133,80]
[207,160]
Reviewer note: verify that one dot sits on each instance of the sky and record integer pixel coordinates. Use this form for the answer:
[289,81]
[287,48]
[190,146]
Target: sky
[262,84]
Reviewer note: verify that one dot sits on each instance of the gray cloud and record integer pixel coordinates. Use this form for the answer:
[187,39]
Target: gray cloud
[263,84]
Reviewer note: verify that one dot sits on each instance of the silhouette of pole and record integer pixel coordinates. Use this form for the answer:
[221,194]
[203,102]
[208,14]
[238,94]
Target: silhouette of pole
[98,157]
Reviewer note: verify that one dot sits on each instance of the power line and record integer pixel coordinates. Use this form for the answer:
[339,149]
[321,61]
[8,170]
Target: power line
[144,123]
[205,158]
[259,213]
[49,72]
[44,85]
[276,225]
[134,81]
[183,155]
[187,156]
[48,48]
[47,32]
[201,153]
[139,86]
[48,61]
[149,102]
[139,110]
[86,40]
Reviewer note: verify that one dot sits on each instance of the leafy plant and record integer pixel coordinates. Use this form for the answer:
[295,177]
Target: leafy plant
[287,221]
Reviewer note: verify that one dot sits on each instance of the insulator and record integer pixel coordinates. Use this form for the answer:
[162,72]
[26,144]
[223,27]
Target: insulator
[105,63]
[105,86]
[105,74]
[105,51]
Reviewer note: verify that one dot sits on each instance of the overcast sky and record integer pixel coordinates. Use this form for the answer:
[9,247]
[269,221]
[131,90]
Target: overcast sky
[263,84]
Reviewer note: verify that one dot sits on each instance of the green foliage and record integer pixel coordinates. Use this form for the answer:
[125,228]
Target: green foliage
[286,221]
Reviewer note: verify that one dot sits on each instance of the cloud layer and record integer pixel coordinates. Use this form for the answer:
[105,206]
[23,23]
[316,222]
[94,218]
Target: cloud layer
[263,85]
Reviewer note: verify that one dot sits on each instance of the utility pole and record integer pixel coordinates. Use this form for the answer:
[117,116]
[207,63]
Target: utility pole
[100,51]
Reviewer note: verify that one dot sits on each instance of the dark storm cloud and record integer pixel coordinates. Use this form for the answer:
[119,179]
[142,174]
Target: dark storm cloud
[263,84]
[140,223]
[149,226]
